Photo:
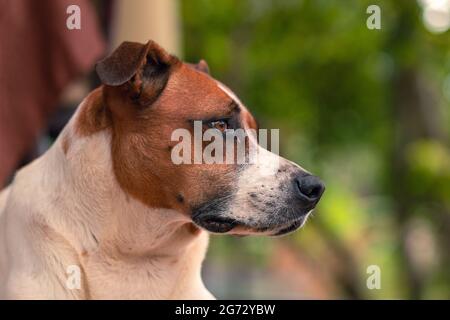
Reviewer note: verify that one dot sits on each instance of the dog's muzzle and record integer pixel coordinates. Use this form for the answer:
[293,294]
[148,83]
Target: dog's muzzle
[302,193]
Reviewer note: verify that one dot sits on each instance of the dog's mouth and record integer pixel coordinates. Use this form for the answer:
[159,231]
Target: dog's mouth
[217,224]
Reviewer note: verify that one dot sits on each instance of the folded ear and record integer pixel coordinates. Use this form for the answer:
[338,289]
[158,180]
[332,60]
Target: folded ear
[145,67]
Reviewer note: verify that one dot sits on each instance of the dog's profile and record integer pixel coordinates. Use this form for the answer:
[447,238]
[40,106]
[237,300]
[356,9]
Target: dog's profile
[106,214]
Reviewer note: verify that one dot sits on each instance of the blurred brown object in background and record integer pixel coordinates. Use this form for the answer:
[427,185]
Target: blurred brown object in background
[39,56]
[151,19]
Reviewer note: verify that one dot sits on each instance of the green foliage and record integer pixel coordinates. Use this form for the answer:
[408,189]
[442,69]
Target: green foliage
[429,166]
[314,70]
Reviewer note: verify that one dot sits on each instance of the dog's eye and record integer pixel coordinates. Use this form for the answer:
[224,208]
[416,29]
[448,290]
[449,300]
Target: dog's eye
[221,125]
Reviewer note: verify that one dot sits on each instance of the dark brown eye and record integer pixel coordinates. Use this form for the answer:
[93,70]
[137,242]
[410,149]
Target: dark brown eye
[219,125]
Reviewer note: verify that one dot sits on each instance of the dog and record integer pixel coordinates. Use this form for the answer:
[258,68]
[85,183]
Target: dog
[106,214]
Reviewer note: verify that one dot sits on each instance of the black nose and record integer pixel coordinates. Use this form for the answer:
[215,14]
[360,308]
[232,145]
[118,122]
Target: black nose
[309,188]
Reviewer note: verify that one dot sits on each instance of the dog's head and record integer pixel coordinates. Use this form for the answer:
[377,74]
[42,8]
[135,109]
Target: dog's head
[146,96]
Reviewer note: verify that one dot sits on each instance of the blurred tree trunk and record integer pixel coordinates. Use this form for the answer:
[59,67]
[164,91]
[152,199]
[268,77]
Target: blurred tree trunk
[408,127]
[416,116]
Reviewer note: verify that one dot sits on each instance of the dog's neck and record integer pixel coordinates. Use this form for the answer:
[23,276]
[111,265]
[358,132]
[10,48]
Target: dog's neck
[106,226]
[113,216]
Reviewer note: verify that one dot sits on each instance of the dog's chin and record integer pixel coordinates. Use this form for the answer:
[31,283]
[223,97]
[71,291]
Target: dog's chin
[290,227]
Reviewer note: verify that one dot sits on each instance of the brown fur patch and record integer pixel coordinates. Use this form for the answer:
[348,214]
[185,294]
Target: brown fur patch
[142,164]
[93,115]
[141,137]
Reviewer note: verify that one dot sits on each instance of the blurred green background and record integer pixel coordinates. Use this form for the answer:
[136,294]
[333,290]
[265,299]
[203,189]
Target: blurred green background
[367,111]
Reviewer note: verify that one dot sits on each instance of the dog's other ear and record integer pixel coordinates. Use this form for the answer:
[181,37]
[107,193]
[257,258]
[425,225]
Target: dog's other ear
[144,67]
[202,66]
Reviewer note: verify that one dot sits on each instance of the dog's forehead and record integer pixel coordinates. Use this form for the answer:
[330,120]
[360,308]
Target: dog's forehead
[194,84]
[201,96]
[207,83]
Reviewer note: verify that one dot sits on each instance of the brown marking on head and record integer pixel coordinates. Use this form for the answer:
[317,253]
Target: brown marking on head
[141,140]
[146,95]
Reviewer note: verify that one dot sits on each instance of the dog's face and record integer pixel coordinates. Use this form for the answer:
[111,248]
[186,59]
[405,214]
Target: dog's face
[147,95]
